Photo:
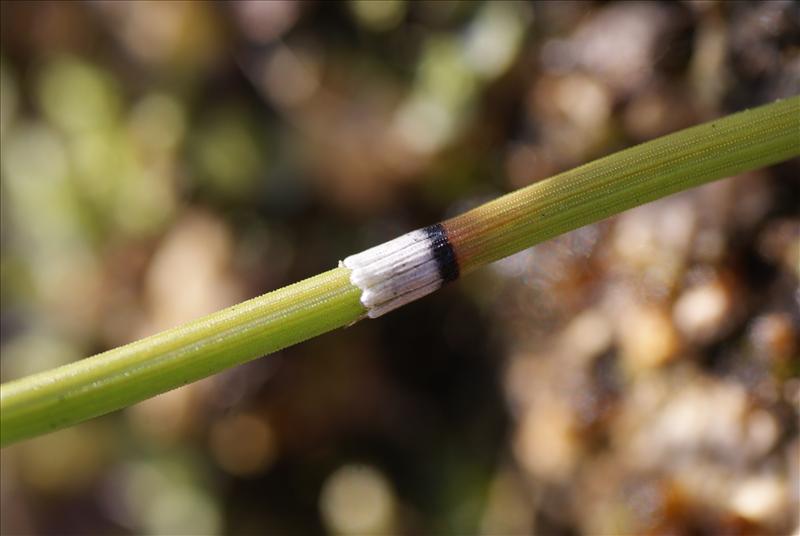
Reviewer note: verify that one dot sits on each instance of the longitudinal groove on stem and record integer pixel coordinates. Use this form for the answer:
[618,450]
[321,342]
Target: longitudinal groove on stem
[131,373]
[390,275]
[743,141]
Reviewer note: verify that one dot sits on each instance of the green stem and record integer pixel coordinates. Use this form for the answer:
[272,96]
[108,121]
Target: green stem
[123,376]
[686,159]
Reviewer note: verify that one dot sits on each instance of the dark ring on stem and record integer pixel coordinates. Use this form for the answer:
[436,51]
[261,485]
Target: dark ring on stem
[443,252]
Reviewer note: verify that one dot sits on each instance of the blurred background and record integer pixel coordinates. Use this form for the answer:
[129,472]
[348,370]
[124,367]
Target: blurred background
[161,161]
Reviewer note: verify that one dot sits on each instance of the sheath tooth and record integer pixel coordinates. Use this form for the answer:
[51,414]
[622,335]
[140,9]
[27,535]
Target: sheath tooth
[408,281]
[399,271]
[392,265]
[380,251]
[375,312]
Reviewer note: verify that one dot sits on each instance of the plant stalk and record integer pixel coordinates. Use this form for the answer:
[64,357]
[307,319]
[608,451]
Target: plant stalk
[123,376]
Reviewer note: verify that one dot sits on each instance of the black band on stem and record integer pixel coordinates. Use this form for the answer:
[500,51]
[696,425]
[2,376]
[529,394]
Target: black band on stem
[443,252]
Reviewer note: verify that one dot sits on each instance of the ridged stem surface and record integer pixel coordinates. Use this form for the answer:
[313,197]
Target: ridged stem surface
[739,142]
[123,376]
